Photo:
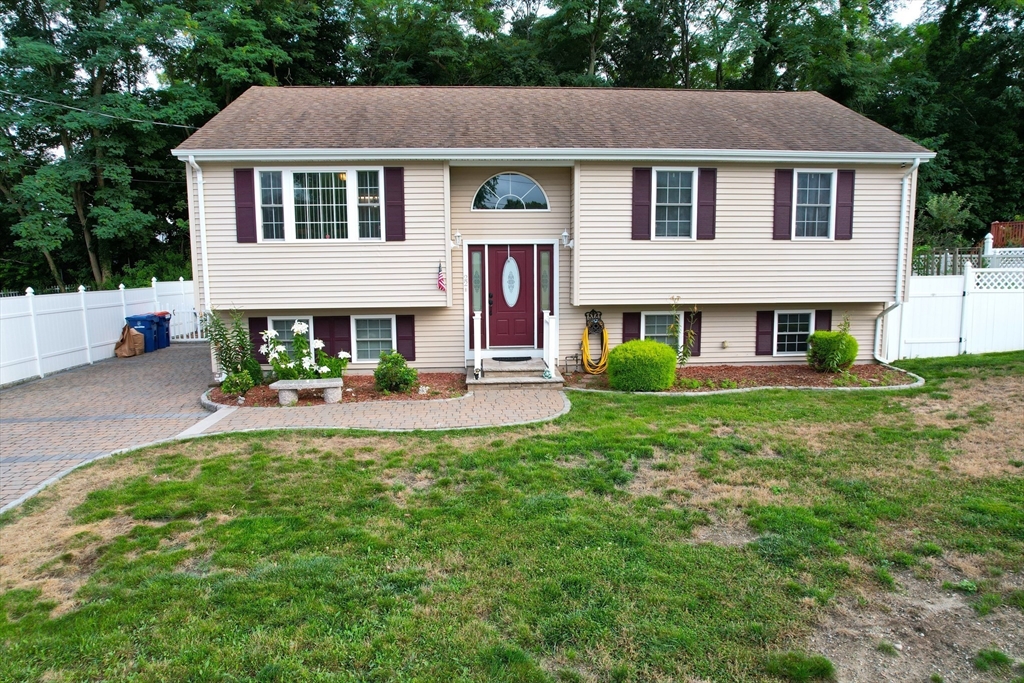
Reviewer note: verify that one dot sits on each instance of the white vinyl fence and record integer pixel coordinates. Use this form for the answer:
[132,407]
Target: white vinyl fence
[41,334]
[980,311]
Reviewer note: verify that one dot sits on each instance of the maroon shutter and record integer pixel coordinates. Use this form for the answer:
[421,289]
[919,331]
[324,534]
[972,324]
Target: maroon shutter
[405,330]
[823,320]
[335,331]
[256,328]
[765,332]
[844,205]
[783,204]
[245,205]
[641,203]
[394,204]
[707,186]
[691,321]
[630,327]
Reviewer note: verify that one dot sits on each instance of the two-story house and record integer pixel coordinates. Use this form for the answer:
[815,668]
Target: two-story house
[390,217]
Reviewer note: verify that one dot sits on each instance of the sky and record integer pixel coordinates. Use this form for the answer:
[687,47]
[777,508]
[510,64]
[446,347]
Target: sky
[909,13]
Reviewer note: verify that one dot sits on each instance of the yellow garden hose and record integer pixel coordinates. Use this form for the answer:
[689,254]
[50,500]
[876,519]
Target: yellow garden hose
[588,364]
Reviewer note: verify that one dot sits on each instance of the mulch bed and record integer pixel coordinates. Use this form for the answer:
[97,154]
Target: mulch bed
[717,377]
[357,388]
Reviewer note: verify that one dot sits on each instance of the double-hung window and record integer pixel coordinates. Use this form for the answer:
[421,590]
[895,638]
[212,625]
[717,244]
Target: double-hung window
[321,204]
[283,327]
[675,203]
[372,337]
[662,327]
[815,205]
[791,331]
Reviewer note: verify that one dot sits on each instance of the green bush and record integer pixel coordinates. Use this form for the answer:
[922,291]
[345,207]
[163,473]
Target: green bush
[642,365]
[236,384]
[253,369]
[831,351]
[392,373]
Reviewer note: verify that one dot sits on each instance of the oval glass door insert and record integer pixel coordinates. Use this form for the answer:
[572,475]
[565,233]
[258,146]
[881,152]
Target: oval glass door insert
[510,282]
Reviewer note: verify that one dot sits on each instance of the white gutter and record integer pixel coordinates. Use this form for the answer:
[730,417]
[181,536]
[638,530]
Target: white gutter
[566,154]
[901,271]
[202,233]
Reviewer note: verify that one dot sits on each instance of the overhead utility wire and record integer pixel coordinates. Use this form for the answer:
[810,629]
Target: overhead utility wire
[97,113]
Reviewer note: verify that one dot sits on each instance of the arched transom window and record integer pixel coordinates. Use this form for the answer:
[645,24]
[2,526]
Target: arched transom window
[510,191]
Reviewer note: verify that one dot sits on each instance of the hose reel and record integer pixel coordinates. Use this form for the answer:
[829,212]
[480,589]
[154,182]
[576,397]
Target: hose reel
[594,325]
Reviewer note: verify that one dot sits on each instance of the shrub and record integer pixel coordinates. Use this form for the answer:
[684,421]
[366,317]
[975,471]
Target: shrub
[231,345]
[253,369]
[310,362]
[392,373]
[236,384]
[642,365]
[832,351]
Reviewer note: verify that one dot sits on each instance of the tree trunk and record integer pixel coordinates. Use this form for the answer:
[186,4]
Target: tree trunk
[53,271]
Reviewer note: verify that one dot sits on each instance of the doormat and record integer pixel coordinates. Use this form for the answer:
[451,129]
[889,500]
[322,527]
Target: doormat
[513,359]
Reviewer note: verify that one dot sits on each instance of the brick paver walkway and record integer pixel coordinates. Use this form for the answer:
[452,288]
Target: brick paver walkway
[490,409]
[50,425]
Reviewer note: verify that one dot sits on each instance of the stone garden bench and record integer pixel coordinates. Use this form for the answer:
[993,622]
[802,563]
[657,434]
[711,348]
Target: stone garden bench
[288,389]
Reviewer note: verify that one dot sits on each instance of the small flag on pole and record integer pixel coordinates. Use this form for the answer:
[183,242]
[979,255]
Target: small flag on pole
[440,278]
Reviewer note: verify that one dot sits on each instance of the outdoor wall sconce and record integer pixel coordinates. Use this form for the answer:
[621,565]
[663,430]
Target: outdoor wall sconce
[566,242]
[458,240]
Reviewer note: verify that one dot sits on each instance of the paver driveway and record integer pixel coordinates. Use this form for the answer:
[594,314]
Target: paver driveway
[52,424]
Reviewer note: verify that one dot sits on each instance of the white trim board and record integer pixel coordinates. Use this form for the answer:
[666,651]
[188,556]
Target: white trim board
[562,156]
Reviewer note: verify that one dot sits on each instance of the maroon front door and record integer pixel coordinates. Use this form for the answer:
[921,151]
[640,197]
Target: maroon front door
[510,297]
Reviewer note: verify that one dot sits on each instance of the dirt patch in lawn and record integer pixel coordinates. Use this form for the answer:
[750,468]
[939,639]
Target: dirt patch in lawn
[683,480]
[991,411]
[358,388]
[914,632]
[702,378]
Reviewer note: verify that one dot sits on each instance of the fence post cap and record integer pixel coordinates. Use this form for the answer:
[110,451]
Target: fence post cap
[29,291]
[121,286]
[81,288]
[153,280]
[181,278]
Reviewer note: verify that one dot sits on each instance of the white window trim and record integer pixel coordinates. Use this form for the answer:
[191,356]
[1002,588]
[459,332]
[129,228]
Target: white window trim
[831,212]
[288,200]
[355,347]
[775,333]
[654,203]
[513,212]
[308,319]
[643,324]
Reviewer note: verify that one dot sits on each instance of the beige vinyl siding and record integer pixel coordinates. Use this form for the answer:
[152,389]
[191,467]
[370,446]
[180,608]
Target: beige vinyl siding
[743,263]
[328,274]
[734,324]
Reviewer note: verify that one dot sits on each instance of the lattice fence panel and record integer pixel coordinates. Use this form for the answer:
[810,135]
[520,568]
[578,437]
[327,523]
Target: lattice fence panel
[1007,258]
[1000,279]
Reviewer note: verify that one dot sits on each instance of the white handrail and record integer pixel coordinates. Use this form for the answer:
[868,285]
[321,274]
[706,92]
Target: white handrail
[477,359]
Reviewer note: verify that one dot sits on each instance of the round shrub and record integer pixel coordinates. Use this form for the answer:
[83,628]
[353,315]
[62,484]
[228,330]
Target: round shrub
[831,351]
[642,365]
[236,384]
[392,373]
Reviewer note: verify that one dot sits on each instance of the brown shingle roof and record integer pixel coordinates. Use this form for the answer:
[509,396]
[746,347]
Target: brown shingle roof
[541,118]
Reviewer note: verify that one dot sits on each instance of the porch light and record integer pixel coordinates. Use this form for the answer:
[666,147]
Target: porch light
[458,240]
[566,242]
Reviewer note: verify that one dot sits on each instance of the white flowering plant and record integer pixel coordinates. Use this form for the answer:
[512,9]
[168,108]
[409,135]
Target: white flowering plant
[307,360]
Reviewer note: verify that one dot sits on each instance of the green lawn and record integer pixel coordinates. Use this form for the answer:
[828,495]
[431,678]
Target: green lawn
[559,552]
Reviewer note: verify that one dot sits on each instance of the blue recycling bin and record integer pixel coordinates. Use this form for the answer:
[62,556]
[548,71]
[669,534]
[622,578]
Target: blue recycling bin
[163,329]
[146,326]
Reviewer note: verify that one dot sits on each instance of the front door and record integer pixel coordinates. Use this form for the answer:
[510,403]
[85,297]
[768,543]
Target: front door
[510,297]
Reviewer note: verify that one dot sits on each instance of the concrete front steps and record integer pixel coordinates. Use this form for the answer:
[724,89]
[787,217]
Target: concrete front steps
[500,375]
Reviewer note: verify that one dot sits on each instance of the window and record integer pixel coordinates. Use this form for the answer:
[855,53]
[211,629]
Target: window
[661,327]
[791,331]
[814,192]
[369,204]
[272,201]
[373,336]
[510,191]
[674,203]
[283,327]
[321,204]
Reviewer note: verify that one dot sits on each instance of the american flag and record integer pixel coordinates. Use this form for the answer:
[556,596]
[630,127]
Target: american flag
[440,279]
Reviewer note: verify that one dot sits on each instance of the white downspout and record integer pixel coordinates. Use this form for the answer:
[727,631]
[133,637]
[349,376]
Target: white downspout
[900,270]
[202,233]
